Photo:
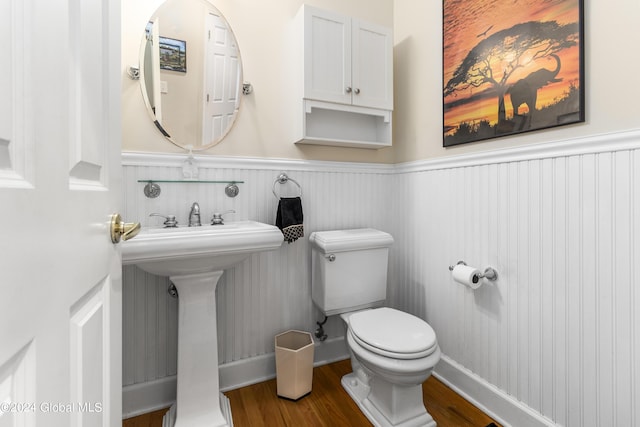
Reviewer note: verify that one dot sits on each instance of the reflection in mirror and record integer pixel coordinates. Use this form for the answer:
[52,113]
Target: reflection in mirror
[190,73]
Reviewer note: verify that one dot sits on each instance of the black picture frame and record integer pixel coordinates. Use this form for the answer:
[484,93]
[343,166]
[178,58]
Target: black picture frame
[511,67]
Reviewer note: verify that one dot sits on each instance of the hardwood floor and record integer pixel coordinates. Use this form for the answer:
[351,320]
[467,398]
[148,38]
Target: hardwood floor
[328,405]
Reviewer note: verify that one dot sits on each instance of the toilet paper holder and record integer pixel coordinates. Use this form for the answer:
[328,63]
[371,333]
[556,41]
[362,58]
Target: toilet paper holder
[489,272]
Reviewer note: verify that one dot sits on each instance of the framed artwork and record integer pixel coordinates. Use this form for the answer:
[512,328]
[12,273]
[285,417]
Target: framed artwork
[511,67]
[173,54]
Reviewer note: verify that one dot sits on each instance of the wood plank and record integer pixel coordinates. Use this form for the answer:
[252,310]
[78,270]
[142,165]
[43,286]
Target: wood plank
[152,419]
[328,405]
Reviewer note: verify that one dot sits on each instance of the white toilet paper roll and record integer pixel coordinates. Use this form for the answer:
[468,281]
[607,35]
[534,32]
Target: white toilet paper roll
[467,276]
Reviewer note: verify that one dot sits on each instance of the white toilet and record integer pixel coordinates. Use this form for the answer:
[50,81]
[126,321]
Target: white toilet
[392,352]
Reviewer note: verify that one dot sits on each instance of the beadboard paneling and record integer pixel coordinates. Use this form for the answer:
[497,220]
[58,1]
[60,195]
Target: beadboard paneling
[556,336]
[558,331]
[266,294]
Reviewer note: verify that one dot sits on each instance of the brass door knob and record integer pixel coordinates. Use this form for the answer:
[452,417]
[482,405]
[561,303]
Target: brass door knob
[121,229]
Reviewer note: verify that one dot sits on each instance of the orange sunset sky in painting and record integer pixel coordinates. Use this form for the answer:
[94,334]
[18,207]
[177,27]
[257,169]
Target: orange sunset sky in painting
[467,22]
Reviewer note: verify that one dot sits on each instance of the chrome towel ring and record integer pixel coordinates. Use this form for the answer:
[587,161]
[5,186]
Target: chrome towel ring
[282,179]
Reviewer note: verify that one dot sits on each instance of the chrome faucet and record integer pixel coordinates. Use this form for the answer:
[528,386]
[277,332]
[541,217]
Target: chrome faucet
[194,215]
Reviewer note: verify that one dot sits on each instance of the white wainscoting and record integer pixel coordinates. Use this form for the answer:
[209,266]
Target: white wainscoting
[554,341]
[557,334]
[266,294]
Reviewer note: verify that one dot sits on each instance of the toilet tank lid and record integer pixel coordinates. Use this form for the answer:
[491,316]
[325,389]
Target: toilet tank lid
[348,240]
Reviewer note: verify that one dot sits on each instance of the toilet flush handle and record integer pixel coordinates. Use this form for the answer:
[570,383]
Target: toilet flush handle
[331,257]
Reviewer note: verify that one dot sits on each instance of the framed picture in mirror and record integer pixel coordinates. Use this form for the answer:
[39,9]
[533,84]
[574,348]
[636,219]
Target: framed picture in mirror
[173,54]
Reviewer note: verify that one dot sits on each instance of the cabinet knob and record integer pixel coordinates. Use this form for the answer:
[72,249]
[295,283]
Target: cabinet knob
[357,91]
[348,89]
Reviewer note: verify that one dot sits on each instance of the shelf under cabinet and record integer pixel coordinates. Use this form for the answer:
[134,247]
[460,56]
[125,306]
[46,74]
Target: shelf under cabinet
[345,125]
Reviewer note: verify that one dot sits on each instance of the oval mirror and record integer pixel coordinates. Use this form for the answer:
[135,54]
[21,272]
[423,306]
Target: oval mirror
[190,73]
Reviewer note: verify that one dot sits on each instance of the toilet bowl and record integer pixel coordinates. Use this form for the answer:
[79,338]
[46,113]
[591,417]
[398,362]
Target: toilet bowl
[392,354]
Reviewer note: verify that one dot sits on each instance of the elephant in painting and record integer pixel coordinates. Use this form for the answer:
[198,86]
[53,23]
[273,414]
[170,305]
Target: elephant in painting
[525,90]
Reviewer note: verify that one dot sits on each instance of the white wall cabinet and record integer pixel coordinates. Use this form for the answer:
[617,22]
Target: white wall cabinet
[346,60]
[346,95]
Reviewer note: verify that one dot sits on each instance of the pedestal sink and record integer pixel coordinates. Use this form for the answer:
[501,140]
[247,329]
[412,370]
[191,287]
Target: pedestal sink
[194,258]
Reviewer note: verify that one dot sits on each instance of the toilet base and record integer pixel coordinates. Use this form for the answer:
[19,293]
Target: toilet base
[361,393]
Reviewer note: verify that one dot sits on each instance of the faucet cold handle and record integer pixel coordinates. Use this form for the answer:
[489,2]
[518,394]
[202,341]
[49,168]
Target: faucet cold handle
[217,217]
[170,220]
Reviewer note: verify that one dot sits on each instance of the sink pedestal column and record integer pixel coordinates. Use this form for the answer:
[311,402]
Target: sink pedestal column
[199,401]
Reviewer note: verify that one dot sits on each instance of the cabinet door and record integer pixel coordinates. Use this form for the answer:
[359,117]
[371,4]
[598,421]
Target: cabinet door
[372,65]
[327,56]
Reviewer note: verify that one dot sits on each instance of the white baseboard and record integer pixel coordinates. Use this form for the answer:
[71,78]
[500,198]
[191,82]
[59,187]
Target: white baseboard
[153,395]
[150,396]
[257,369]
[487,397]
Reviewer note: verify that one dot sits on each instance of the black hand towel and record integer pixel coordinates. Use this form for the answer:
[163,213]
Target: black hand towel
[289,218]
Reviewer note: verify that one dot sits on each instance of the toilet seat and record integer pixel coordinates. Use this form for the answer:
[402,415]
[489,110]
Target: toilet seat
[392,333]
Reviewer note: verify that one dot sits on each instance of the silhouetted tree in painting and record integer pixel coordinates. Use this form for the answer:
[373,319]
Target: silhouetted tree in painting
[494,60]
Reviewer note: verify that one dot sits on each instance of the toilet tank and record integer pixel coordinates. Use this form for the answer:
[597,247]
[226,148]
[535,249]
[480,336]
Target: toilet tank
[349,269]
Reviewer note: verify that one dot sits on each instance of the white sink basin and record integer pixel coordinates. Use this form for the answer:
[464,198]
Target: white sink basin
[188,250]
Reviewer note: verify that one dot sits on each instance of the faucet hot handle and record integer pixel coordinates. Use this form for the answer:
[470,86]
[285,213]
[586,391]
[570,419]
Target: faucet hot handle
[217,217]
[170,220]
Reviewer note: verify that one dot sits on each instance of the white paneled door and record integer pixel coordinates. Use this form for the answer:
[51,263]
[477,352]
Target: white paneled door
[60,274]
[222,79]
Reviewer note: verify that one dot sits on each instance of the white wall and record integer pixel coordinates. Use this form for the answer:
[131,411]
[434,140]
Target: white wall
[554,341]
[558,332]
[267,294]
[544,345]
[265,34]
[182,103]
[611,93]
[262,30]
